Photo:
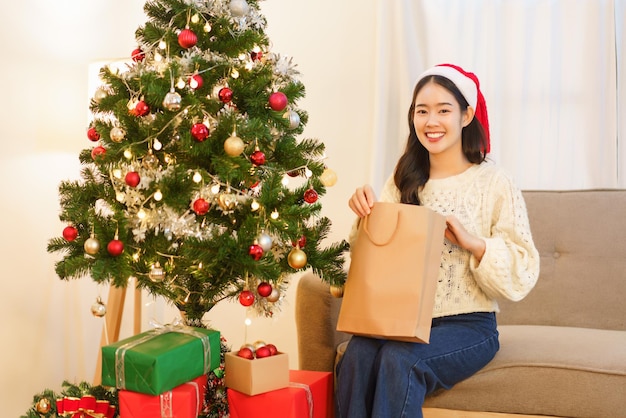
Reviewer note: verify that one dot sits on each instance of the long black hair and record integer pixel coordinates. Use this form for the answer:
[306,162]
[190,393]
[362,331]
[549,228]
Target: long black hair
[413,168]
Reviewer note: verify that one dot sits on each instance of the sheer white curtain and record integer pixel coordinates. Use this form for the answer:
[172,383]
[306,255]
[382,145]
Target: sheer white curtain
[553,73]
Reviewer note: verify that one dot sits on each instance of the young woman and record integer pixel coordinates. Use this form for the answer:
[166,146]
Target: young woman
[488,252]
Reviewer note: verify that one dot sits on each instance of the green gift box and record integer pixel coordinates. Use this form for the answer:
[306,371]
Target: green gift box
[158,360]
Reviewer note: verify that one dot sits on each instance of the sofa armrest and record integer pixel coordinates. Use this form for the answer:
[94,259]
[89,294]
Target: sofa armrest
[316,321]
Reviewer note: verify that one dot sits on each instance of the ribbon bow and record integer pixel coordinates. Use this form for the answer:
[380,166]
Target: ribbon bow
[87,406]
[158,329]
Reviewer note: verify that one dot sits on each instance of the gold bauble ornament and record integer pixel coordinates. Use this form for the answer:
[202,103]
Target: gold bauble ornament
[227,201]
[157,273]
[274,296]
[100,94]
[234,145]
[259,343]
[92,245]
[117,134]
[296,258]
[336,291]
[172,101]
[328,177]
[150,160]
[43,405]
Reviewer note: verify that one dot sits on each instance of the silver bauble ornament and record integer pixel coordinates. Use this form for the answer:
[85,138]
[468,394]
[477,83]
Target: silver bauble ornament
[239,8]
[294,119]
[172,101]
[117,134]
[157,274]
[265,241]
[92,246]
[98,309]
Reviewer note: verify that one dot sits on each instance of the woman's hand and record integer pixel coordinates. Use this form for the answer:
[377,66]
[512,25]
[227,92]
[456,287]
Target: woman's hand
[362,201]
[457,234]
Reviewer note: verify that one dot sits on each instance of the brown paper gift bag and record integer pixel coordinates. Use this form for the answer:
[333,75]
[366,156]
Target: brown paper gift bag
[390,290]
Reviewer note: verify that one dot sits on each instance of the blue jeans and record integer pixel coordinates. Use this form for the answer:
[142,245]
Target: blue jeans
[390,379]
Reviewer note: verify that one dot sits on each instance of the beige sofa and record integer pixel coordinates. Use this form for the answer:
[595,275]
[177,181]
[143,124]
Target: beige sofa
[563,348]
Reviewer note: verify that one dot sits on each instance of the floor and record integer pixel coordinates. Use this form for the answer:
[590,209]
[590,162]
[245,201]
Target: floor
[449,413]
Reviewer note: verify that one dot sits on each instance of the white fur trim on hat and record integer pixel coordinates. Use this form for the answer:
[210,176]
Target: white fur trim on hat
[465,84]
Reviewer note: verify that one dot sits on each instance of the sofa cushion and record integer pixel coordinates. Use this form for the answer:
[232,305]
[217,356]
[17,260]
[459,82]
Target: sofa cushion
[537,372]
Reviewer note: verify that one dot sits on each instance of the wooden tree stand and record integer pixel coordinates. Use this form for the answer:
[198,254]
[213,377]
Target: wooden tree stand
[113,322]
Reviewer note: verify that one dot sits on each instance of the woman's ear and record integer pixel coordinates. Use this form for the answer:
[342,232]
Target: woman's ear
[468,116]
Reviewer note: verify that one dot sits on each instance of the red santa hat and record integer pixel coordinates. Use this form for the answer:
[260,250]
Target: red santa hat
[469,86]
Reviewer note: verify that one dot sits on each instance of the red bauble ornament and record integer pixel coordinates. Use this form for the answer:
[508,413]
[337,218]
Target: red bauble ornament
[201,206]
[141,108]
[70,233]
[262,352]
[132,178]
[245,352]
[200,132]
[187,38]
[115,247]
[137,55]
[98,153]
[256,56]
[311,196]
[278,101]
[196,82]
[300,243]
[264,289]
[92,134]
[258,157]
[255,251]
[246,298]
[272,348]
[225,94]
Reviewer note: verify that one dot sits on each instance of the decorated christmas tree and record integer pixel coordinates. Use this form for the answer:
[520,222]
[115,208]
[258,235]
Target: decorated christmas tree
[197,181]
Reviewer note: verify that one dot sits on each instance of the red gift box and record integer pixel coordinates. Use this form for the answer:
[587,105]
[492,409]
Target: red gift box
[309,395]
[184,401]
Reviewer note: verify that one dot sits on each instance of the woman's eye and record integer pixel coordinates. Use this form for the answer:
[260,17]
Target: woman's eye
[420,112]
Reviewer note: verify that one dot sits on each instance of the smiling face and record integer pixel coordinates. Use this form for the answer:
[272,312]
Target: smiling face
[438,120]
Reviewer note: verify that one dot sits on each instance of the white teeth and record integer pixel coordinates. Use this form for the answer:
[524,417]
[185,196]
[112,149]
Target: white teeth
[434,135]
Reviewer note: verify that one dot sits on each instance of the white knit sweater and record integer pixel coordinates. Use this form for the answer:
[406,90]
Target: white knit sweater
[488,204]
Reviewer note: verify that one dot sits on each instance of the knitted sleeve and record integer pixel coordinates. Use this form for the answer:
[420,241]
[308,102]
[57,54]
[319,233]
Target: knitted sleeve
[510,266]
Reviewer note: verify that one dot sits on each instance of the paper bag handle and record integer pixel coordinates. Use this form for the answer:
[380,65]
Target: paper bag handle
[384,240]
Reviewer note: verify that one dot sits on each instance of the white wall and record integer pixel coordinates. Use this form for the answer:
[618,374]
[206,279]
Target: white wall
[48,333]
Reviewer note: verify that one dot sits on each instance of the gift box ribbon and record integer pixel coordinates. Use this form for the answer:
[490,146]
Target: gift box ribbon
[309,395]
[167,409]
[159,329]
[84,407]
